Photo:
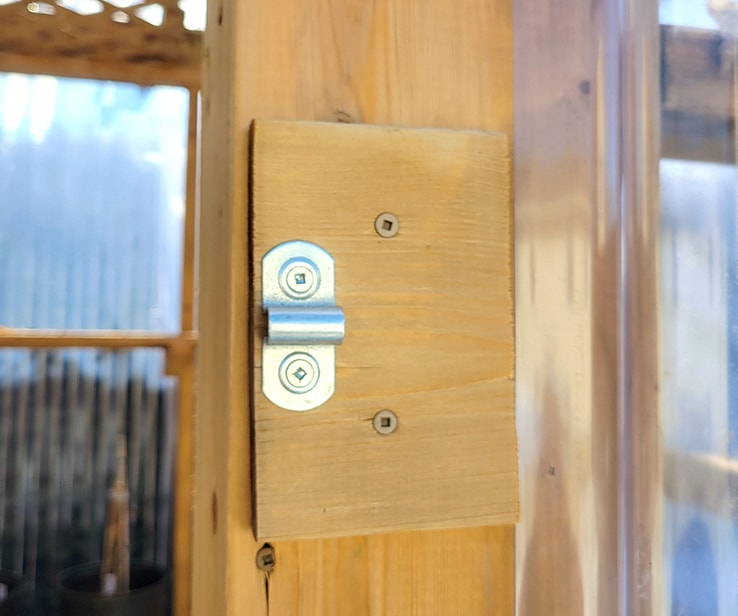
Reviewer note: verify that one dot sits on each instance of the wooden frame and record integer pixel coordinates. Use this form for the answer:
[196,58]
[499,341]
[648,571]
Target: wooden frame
[323,94]
[118,45]
[115,44]
[348,62]
[392,63]
[697,95]
[453,390]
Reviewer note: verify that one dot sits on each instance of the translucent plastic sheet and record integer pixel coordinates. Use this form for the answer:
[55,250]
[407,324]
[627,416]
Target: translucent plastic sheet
[92,185]
[627,319]
[699,311]
[60,414]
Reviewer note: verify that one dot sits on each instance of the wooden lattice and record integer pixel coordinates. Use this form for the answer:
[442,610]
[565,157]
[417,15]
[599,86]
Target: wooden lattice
[114,35]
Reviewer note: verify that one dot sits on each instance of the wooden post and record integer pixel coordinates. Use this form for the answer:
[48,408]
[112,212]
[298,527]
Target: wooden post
[432,63]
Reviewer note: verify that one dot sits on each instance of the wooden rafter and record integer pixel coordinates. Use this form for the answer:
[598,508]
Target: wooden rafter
[114,43]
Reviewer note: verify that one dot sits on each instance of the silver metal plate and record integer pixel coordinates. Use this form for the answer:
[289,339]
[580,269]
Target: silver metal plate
[298,357]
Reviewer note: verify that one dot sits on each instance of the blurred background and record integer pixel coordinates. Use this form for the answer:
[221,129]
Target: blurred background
[698,298]
[92,204]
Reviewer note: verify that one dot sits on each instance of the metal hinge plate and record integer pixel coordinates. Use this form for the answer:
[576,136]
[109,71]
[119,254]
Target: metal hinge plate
[304,325]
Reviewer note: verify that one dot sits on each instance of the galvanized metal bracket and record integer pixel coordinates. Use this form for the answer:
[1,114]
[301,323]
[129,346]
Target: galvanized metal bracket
[304,325]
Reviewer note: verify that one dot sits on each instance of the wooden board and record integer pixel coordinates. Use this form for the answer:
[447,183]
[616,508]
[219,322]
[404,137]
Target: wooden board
[429,317]
[395,574]
[114,43]
[432,63]
[697,72]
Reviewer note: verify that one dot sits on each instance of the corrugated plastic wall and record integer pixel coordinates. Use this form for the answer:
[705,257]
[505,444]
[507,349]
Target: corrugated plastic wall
[91,207]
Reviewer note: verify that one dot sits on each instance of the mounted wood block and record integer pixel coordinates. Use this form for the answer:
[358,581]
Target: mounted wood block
[429,330]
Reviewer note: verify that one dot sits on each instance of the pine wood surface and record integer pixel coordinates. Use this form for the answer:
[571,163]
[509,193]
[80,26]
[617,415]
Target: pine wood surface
[428,64]
[429,330]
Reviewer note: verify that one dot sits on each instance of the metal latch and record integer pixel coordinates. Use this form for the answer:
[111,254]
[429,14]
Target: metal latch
[304,325]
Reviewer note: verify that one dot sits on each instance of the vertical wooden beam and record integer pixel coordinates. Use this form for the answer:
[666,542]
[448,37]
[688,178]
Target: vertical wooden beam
[223,572]
[181,365]
[567,218]
[431,63]
[190,218]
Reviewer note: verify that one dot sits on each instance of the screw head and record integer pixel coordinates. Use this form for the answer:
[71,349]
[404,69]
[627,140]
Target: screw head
[299,373]
[299,278]
[386,225]
[265,558]
[385,422]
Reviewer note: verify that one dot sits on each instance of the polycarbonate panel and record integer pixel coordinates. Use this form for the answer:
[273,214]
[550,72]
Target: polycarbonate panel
[586,150]
[60,414]
[698,293]
[689,13]
[567,234]
[641,519]
[92,194]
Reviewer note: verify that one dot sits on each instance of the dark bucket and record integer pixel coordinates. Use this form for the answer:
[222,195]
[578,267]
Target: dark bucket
[79,593]
[17,592]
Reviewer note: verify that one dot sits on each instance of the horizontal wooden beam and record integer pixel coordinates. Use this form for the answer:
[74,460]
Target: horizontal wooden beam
[106,339]
[115,43]
[697,72]
[144,74]
[694,137]
[697,95]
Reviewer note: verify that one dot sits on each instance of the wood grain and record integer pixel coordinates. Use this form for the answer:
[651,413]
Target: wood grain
[148,74]
[435,63]
[407,573]
[429,330]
